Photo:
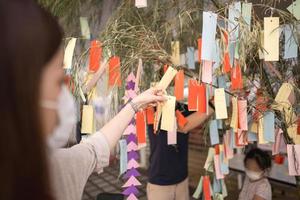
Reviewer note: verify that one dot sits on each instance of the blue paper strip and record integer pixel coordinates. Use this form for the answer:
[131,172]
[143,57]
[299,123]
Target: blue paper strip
[269,126]
[208,35]
[123,156]
[290,44]
[191,57]
[213,132]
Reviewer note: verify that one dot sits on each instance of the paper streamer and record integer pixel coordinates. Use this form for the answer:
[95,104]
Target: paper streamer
[132,142]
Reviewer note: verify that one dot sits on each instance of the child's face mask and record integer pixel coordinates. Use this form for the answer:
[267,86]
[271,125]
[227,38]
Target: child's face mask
[254,176]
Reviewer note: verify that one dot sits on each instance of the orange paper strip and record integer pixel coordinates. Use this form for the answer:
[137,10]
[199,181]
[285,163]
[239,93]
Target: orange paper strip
[236,78]
[181,120]
[217,149]
[226,63]
[179,85]
[202,98]
[206,188]
[192,97]
[165,68]
[114,71]
[140,127]
[95,55]
[199,49]
[150,115]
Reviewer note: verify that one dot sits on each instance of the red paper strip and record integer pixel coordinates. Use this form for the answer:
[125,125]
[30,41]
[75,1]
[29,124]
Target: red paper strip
[236,78]
[150,115]
[114,71]
[179,85]
[217,149]
[225,35]
[202,98]
[140,127]
[226,63]
[165,68]
[199,49]
[95,55]
[181,120]
[206,188]
[192,97]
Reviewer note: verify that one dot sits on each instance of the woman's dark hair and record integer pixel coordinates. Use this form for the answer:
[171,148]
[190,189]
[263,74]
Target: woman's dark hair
[29,38]
[262,158]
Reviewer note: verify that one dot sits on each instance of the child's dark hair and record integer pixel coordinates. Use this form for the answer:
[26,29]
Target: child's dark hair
[262,158]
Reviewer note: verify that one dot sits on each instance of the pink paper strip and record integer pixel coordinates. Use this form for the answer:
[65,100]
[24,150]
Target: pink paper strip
[228,149]
[294,159]
[242,113]
[207,71]
[172,135]
[219,174]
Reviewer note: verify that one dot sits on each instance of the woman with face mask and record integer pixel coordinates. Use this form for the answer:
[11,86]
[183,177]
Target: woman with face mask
[36,108]
[256,185]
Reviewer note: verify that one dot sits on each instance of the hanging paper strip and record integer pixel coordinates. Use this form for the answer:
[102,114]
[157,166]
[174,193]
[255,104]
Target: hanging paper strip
[150,115]
[95,55]
[192,96]
[191,57]
[140,3]
[115,71]
[226,63]
[202,98]
[179,85]
[199,49]
[132,146]
[206,188]
[271,38]
[141,127]
[236,78]
[85,29]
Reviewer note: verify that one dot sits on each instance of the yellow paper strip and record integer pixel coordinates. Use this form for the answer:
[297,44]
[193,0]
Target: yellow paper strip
[271,38]
[167,78]
[220,104]
[175,52]
[261,137]
[87,124]
[168,114]
[234,117]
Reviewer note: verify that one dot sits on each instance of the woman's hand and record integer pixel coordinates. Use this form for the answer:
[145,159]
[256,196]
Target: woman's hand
[150,97]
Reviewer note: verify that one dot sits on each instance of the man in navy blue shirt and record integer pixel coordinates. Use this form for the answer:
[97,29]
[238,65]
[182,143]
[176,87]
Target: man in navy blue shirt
[168,170]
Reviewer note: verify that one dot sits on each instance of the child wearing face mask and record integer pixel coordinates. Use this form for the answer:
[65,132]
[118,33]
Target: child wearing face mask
[256,185]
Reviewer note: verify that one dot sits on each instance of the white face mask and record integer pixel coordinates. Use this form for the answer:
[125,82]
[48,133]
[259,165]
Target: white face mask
[254,176]
[65,107]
